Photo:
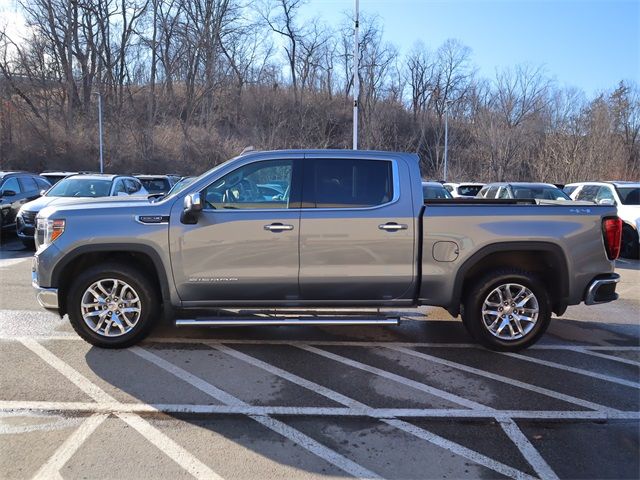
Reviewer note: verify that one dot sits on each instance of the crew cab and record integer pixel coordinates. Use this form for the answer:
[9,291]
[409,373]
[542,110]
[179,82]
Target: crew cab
[350,229]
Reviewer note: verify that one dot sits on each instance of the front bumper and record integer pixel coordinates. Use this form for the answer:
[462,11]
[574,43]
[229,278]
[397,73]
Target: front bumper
[47,297]
[602,289]
[24,230]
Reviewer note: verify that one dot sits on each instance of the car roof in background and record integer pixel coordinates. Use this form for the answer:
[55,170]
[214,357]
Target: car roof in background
[617,183]
[97,176]
[431,183]
[149,176]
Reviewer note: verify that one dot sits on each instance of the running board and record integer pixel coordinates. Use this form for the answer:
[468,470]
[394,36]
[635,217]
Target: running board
[236,322]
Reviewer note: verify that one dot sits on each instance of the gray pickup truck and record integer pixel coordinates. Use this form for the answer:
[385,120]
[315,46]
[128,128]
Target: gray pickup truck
[320,228]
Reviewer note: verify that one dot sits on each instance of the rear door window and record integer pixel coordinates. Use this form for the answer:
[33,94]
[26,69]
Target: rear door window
[11,184]
[28,184]
[347,183]
[492,192]
[588,193]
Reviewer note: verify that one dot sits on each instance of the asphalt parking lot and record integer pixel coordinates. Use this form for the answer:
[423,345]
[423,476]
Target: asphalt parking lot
[412,401]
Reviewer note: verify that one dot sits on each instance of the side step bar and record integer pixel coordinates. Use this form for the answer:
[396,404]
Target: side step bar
[236,322]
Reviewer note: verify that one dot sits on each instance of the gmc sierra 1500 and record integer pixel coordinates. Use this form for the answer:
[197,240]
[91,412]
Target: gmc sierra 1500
[321,228]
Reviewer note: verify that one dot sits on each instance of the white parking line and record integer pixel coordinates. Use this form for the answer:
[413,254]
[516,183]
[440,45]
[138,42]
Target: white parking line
[397,378]
[459,449]
[70,446]
[510,381]
[579,371]
[179,455]
[292,434]
[10,407]
[626,361]
[170,448]
[407,427]
[529,452]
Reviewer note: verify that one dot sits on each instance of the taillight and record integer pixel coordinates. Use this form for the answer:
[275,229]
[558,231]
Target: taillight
[612,234]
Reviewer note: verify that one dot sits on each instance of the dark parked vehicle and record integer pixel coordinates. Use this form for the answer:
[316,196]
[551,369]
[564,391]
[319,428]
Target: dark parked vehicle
[522,191]
[55,176]
[16,189]
[157,183]
[431,190]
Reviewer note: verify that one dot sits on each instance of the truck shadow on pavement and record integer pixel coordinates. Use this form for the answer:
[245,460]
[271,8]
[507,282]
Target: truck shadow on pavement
[195,369]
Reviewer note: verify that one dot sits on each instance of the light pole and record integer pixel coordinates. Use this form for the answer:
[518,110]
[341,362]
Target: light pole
[100,129]
[446,137]
[356,79]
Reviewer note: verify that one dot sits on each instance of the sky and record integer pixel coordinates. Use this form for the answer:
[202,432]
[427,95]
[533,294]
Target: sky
[588,44]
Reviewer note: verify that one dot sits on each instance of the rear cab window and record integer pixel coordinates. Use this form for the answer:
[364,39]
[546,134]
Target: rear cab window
[347,183]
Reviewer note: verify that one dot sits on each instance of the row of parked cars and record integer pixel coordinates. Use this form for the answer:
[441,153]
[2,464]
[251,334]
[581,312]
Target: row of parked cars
[23,194]
[625,196]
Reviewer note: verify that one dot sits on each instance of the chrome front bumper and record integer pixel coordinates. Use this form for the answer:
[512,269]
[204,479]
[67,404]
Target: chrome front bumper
[602,290]
[47,297]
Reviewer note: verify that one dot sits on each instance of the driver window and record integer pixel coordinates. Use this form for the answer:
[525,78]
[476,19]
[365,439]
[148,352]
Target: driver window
[259,185]
[119,188]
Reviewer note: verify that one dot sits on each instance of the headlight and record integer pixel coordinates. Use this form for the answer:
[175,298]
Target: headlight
[48,230]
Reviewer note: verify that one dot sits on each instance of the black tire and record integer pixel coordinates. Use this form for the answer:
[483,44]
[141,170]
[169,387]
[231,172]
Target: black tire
[629,247]
[147,294]
[29,244]
[473,302]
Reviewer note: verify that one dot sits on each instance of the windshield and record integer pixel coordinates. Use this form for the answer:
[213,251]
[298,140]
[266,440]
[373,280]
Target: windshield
[156,185]
[178,187]
[469,190]
[629,195]
[538,193]
[435,191]
[80,187]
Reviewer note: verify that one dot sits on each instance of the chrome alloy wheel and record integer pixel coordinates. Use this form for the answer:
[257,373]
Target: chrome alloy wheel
[510,311]
[110,307]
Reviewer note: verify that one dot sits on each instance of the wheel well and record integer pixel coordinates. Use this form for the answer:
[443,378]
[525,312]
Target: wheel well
[546,264]
[85,260]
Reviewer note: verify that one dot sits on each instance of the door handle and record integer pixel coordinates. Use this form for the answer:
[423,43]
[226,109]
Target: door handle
[392,226]
[278,227]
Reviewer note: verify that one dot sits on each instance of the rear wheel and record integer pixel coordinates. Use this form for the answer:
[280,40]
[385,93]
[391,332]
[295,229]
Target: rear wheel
[629,247]
[507,310]
[112,305]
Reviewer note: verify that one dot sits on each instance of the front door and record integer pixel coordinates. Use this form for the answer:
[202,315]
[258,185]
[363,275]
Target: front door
[244,248]
[356,231]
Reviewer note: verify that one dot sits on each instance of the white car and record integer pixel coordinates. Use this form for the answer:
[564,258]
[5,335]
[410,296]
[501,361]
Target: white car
[73,188]
[625,196]
[466,189]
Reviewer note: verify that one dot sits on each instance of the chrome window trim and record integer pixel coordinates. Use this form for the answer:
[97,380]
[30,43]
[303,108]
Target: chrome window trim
[395,173]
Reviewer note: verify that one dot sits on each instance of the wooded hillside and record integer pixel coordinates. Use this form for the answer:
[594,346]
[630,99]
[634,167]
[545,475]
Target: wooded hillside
[186,84]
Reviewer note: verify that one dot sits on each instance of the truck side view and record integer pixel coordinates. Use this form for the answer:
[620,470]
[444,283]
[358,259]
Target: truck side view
[321,228]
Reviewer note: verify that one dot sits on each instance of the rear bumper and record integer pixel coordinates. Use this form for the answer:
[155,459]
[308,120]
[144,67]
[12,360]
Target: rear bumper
[47,297]
[602,289]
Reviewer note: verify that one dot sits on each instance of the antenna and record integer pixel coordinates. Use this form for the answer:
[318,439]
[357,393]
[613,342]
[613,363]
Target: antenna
[356,78]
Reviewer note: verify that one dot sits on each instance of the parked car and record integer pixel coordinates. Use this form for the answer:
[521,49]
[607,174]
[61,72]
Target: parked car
[522,191]
[352,230]
[467,189]
[179,185]
[625,196]
[16,189]
[431,190]
[55,176]
[158,183]
[82,186]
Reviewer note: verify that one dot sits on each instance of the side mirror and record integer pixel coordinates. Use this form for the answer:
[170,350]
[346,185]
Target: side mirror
[606,201]
[192,207]
[7,193]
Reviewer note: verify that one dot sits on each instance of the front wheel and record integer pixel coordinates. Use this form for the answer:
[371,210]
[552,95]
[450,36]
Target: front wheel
[507,310]
[112,305]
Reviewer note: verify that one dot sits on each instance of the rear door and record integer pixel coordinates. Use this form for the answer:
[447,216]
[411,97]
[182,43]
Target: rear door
[357,230]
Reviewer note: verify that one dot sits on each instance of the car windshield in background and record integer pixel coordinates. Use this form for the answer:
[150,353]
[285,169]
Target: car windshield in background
[80,187]
[435,191]
[629,195]
[156,185]
[469,190]
[538,193]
